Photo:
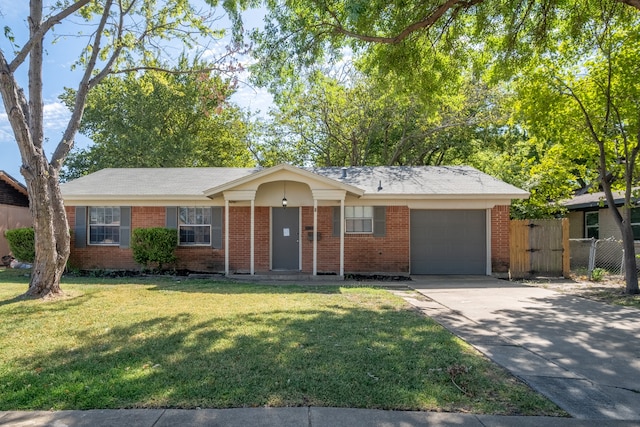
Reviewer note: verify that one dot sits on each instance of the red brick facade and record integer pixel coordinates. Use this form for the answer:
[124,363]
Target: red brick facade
[363,253]
[500,239]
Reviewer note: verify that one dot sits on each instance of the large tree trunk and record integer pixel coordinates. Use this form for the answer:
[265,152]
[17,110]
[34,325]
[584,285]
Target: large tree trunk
[51,229]
[630,268]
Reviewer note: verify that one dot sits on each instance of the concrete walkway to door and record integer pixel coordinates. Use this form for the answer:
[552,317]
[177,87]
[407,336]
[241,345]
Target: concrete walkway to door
[581,354]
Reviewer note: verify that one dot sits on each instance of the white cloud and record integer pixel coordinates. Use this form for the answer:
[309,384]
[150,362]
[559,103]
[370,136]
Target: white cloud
[6,134]
[252,98]
[56,117]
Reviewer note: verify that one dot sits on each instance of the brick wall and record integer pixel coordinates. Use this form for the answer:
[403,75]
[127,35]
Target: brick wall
[328,246]
[363,252]
[113,257]
[240,239]
[500,239]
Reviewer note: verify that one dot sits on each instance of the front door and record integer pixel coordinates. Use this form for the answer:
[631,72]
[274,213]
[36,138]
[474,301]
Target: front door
[285,238]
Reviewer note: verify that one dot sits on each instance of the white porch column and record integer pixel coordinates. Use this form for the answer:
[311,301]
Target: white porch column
[342,237]
[488,240]
[315,237]
[226,237]
[251,256]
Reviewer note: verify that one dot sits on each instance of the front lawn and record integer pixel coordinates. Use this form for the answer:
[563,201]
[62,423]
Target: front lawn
[161,343]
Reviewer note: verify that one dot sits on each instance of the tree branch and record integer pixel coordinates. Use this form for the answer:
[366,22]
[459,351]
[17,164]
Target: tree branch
[606,185]
[17,108]
[35,118]
[63,148]
[632,3]
[425,23]
[42,30]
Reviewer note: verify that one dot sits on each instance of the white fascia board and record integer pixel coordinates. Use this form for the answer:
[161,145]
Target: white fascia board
[141,201]
[446,196]
[321,194]
[239,195]
[455,204]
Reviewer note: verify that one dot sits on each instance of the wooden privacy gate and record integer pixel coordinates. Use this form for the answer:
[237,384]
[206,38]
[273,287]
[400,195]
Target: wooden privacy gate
[539,247]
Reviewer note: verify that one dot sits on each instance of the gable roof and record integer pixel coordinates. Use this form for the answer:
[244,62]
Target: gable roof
[300,172]
[383,181]
[17,185]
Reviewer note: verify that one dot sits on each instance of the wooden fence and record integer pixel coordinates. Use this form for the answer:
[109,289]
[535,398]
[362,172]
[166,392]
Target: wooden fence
[12,217]
[539,248]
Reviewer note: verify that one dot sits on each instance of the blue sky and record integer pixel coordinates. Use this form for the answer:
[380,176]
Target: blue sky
[57,75]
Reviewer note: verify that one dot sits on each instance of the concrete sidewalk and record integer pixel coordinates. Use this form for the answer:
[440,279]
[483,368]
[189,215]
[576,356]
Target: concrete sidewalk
[581,354]
[282,417]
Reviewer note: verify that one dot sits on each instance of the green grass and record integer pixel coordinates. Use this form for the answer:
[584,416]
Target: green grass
[615,296]
[126,343]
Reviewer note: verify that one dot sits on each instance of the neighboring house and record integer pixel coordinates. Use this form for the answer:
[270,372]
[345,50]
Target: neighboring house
[394,220]
[589,216]
[14,208]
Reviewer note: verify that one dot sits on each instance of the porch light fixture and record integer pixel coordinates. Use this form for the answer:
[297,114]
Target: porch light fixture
[284,195]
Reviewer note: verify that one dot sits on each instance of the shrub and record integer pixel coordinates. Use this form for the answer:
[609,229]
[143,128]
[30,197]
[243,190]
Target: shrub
[22,243]
[598,274]
[154,246]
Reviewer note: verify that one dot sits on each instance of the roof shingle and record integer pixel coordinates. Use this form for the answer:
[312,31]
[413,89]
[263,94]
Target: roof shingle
[382,180]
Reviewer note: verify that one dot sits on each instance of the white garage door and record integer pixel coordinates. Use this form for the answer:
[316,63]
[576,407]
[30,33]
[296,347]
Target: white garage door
[448,242]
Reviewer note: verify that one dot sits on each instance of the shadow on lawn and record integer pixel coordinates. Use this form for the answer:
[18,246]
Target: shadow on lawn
[229,288]
[348,357]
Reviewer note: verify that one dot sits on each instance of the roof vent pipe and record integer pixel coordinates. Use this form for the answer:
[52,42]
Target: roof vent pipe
[344,173]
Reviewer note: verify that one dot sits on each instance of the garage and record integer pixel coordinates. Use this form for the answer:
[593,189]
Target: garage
[448,242]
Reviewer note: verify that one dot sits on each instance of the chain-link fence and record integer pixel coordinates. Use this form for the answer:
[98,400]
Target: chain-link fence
[588,254]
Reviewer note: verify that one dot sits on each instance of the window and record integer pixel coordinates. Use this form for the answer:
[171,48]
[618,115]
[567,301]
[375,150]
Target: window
[635,223]
[194,225]
[358,219]
[592,227]
[104,225]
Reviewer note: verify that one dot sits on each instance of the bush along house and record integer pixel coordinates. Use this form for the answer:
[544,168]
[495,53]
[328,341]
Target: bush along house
[14,208]
[317,221]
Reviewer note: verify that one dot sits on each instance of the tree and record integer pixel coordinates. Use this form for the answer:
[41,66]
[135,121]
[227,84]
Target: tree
[352,119]
[158,119]
[592,93]
[534,164]
[401,35]
[501,36]
[125,35]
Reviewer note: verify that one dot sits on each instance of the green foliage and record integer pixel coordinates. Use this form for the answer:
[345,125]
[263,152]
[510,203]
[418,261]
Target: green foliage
[154,246]
[156,119]
[22,243]
[584,100]
[598,274]
[416,93]
[122,37]
[357,120]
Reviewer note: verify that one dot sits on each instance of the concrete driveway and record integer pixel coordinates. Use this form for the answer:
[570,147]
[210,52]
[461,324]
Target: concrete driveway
[583,355]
